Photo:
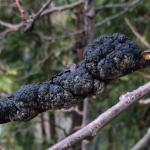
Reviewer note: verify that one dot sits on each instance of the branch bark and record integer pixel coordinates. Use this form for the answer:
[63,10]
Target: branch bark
[62,8]
[137,34]
[89,131]
[27,22]
[108,58]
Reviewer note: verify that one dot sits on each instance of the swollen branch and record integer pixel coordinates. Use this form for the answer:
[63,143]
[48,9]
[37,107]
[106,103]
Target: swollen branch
[108,58]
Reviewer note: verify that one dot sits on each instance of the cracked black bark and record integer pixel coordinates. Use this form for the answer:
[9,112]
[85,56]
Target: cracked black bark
[109,57]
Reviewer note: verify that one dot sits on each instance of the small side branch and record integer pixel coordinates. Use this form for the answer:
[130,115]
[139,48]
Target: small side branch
[71,86]
[31,20]
[62,8]
[119,5]
[143,142]
[20,9]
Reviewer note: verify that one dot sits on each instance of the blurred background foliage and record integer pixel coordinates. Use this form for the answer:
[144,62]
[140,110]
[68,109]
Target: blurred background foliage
[27,58]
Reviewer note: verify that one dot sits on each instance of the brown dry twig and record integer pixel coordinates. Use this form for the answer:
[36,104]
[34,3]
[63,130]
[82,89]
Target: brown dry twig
[28,24]
[62,8]
[81,2]
[119,5]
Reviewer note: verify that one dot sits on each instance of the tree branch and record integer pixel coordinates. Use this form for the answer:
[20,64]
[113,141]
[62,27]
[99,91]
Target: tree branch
[95,126]
[142,143]
[28,24]
[62,8]
[20,9]
[137,34]
[108,58]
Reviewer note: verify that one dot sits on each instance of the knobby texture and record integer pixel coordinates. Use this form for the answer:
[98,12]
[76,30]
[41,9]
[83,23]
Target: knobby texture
[108,58]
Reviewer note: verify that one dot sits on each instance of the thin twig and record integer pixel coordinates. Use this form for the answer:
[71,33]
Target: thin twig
[62,8]
[45,5]
[111,17]
[118,5]
[143,142]
[137,34]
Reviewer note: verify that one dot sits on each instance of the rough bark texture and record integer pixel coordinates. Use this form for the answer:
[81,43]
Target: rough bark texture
[109,57]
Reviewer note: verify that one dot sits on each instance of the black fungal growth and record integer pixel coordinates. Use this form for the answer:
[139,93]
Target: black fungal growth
[109,57]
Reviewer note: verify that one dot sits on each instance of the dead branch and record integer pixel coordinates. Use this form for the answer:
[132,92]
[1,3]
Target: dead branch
[32,18]
[119,5]
[28,24]
[72,34]
[112,17]
[81,2]
[143,142]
